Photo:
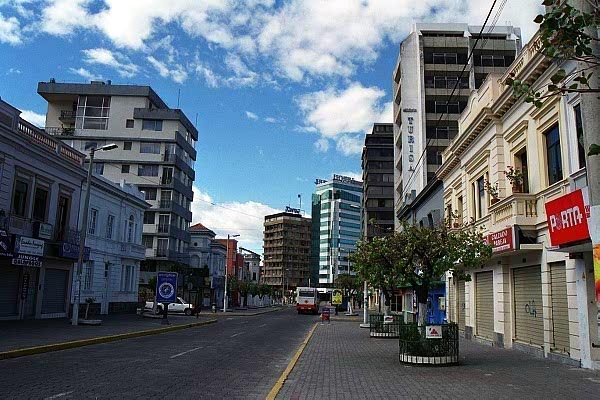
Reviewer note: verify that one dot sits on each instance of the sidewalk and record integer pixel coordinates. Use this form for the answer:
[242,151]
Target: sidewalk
[41,332]
[342,362]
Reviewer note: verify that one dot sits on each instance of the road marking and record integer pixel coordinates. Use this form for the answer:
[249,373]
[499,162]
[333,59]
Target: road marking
[243,322]
[56,396]
[185,352]
[229,319]
[262,326]
[279,384]
[237,334]
[593,380]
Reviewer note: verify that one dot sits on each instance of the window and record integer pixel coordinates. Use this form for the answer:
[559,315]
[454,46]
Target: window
[152,125]
[127,278]
[480,197]
[126,145]
[579,128]
[110,223]
[125,168]
[148,170]
[92,112]
[88,273]
[62,216]
[40,204]
[93,222]
[129,123]
[20,198]
[131,229]
[553,155]
[148,241]
[149,217]
[99,168]
[150,147]
[149,192]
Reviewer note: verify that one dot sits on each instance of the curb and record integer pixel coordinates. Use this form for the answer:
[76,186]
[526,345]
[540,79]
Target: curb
[97,340]
[279,384]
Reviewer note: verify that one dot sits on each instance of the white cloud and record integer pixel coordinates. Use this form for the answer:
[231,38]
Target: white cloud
[62,17]
[178,74]
[344,116]
[322,145]
[245,219]
[119,62]
[33,117]
[212,80]
[271,120]
[84,73]
[251,115]
[13,71]
[10,30]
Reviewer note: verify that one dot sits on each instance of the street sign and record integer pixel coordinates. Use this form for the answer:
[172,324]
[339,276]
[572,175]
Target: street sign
[336,297]
[388,319]
[433,332]
[166,287]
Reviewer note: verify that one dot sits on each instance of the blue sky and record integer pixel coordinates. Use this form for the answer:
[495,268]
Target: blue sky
[283,91]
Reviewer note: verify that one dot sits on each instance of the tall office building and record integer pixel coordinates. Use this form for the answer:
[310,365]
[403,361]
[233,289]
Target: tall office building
[378,182]
[156,153]
[337,212]
[428,68]
[287,250]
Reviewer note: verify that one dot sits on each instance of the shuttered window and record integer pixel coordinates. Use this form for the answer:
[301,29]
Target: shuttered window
[529,318]
[9,290]
[55,291]
[560,308]
[484,305]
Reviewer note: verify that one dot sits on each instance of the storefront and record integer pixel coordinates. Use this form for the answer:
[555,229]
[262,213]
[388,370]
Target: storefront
[484,305]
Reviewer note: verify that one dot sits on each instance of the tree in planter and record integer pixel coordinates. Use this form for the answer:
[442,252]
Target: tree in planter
[378,262]
[89,301]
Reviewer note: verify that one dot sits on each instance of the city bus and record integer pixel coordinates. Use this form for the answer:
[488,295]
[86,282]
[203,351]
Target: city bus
[307,300]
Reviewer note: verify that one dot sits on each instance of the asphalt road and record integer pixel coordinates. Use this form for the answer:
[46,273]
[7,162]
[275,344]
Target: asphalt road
[238,357]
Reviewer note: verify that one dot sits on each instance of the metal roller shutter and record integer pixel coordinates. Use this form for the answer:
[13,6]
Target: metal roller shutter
[9,290]
[529,318]
[55,291]
[461,305]
[484,305]
[451,297]
[560,308]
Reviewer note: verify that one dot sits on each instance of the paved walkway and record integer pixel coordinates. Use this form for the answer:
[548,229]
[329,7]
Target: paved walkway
[341,361]
[30,333]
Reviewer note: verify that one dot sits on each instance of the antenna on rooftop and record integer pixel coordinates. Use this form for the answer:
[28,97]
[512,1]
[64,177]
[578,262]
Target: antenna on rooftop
[178,94]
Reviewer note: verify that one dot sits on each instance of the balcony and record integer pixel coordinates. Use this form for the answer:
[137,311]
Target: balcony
[134,251]
[519,209]
[67,116]
[59,131]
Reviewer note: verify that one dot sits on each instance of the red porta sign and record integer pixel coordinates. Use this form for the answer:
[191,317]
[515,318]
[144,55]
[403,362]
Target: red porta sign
[567,218]
[502,241]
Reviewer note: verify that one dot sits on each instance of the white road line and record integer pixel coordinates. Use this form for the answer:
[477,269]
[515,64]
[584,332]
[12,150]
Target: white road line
[262,326]
[185,352]
[237,334]
[243,322]
[56,396]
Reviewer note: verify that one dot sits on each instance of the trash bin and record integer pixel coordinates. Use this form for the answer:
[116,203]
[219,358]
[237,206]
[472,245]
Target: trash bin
[213,307]
[325,315]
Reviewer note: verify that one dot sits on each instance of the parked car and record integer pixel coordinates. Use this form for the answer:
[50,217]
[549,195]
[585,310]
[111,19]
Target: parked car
[179,306]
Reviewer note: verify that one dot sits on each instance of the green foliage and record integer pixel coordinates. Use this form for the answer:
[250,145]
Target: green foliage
[152,283]
[350,283]
[264,290]
[419,256]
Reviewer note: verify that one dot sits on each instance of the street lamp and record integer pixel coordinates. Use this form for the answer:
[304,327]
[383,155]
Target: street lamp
[83,233]
[226,258]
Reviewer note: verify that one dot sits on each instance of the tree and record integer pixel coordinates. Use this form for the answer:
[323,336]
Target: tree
[264,290]
[418,256]
[350,283]
[567,33]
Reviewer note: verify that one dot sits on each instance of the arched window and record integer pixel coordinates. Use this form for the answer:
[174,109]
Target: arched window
[130,229]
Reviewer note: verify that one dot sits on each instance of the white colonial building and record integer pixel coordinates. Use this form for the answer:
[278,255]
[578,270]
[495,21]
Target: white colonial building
[110,277]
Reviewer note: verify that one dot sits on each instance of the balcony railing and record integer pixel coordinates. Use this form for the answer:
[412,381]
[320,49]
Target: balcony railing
[519,208]
[133,250]
[43,138]
[59,131]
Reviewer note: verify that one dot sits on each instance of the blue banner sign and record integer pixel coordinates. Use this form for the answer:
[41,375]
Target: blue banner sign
[70,250]
[166,287]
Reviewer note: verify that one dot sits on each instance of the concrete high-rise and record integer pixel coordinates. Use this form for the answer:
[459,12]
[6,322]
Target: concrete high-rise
[286,250]
[378,182]
[156,153]
[428,69]
[337,211]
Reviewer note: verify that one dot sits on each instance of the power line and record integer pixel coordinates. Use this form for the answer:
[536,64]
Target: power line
[448,101]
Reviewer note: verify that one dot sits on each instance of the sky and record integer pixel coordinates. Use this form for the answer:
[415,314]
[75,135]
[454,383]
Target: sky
[282,92]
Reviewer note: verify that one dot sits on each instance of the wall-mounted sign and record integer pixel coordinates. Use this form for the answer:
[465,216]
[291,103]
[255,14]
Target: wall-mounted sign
[433,332]
[30,246]
[25,286]
[503,240]
[25,260]
[5,245]
[70,250]
[409,110]
[567,217]
[42,230]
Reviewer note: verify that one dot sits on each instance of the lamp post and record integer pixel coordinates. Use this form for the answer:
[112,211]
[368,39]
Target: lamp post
[83,233]
[226,258]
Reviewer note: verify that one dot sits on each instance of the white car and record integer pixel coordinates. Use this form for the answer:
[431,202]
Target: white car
[179,306]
